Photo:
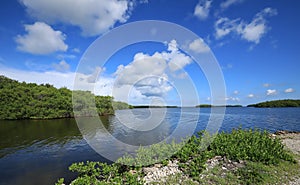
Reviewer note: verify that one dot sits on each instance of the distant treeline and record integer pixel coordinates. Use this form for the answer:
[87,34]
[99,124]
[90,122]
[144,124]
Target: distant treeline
[277,103]
[151,106]
[267,104]
[20,100]
[209,105]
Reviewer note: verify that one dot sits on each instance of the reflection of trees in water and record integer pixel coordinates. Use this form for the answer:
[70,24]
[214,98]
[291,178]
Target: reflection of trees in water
[90,127]
[18,134]
[106,123]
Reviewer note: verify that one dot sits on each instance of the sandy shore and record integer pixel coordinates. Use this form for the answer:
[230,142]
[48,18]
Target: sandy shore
[292,141]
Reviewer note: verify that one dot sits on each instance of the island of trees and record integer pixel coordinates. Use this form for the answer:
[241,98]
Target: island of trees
[277,103]
[266,104]
[20,100]
[209,105]
[153,106]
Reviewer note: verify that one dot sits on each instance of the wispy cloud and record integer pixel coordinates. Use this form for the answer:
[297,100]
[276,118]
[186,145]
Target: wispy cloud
[271,92]
[250,96]
[76,50]
[226,4]
[61,66]
[289,90]
[233,99]
[198,46]
[202,9]
[250,31]
[227,66]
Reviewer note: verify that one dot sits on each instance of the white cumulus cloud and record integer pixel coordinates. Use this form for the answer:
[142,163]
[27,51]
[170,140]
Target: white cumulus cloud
[41,39]
[253,31]
[250,31]
[92,16]
[146,74]
[149,75]
[289,90]
[176,59]
[202,9]
[142,67]
[271,92]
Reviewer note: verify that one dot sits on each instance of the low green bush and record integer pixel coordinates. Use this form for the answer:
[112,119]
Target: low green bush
[101,173]
[252,145]
[156,153]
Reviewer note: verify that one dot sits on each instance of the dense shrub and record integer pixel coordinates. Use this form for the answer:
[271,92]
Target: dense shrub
[252,145]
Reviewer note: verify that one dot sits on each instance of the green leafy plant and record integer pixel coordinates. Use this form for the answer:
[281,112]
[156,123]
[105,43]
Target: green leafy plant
[156,153]
[60,181]
[252,173]
[102,173]
[252,145]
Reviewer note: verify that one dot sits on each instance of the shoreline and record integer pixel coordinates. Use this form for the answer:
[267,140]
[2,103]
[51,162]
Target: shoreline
[219,168]
[160,174]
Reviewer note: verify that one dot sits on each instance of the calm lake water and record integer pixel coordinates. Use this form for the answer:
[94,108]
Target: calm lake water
[40,151]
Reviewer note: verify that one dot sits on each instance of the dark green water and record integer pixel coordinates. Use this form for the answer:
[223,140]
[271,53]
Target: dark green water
[40,151]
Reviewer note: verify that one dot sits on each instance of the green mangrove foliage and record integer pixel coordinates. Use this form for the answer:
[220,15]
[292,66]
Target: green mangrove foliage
[277,103]
[251,145]
[262,155]
[157,153]
[32,101]
[100,173]
[118,105]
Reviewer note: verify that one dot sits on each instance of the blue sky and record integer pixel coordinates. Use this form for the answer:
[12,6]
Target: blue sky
[256,44]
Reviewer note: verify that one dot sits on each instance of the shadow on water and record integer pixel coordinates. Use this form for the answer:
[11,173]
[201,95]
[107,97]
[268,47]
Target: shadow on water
[15,135]
[40,151]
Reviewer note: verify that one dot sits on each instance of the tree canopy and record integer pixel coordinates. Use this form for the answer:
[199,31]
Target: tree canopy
[20,100]
[277,103]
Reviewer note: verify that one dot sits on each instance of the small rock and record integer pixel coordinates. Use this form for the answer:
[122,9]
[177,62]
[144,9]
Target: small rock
[157,165]
[132,172]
